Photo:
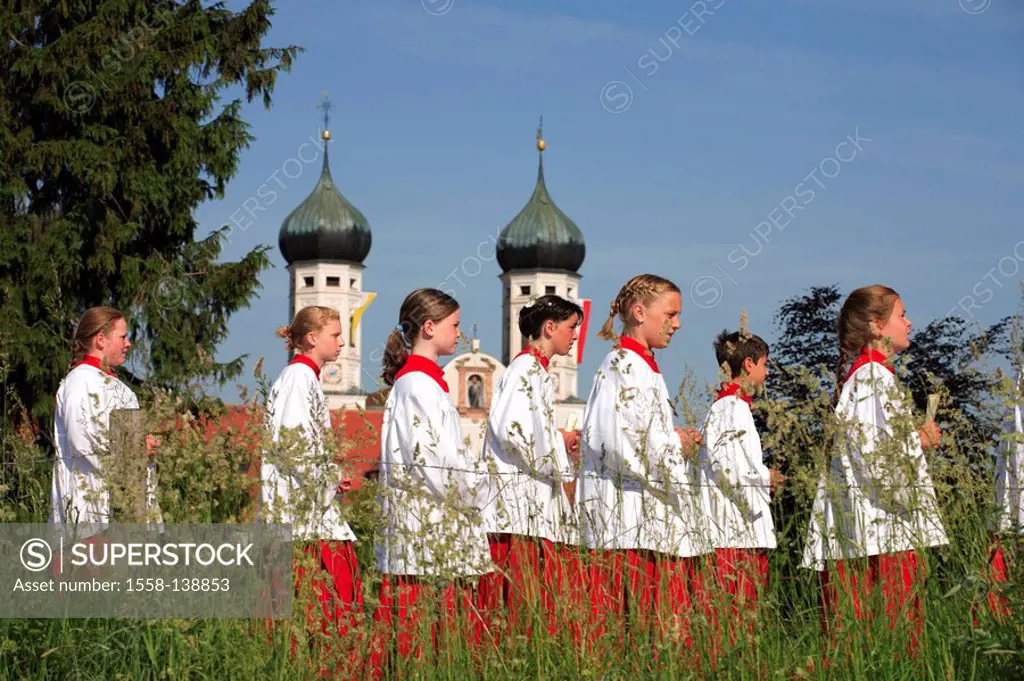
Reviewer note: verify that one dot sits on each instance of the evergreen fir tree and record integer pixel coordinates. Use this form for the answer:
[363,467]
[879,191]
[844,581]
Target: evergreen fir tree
[118,118]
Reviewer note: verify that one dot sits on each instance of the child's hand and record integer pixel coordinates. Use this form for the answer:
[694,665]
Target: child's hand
[152,445]
[776,479]
[572,445]
[570,491]
[930,435]
[690,439]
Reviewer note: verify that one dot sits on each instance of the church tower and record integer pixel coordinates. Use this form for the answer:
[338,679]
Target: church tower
[540,253]
[325,241]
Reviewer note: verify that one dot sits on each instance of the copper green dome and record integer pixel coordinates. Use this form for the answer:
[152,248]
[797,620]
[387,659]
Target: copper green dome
[325,226]
[541,236]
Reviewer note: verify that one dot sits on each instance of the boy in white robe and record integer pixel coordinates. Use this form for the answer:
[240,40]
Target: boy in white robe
[738,481]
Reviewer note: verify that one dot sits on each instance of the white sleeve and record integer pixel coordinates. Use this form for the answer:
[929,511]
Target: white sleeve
[655,452]
[523,424]
[82,424]
[297,405]
[429,454]
[884,463]
[1009,473]
[733,450]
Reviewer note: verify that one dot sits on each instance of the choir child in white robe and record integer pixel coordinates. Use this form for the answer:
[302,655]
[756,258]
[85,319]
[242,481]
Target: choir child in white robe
[530,473]
[431,491]
[79,496]
[302,483]
[738,481]
[1009,494]
[877,501]
[639,504]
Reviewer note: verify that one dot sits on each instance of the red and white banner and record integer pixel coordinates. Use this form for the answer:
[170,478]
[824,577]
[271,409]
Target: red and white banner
[582,340]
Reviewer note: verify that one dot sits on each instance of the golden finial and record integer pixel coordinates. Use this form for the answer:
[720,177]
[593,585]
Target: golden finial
[540,131]
[326,106]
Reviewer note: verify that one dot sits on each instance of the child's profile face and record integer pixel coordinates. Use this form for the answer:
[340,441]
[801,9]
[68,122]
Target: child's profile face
[444,335]
[756,372]
[564,334]
[896,329]
[661,319]
[327,342]
[114,344]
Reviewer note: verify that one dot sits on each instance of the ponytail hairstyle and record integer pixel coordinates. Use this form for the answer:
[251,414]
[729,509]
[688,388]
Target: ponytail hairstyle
[419,307]
[644,289]
[863,306]
[546,309]
[95,321]
[307,320]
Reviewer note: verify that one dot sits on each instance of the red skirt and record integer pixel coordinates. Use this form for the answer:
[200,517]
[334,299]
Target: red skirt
[336,586]
[412,612]
[998,604]
[898,575]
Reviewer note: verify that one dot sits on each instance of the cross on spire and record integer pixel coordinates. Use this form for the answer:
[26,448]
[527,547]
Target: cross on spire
[326,106]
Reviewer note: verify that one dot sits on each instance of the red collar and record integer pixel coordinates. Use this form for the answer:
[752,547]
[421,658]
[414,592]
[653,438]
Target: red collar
[729,389]
[303,359]
[866,357]
[422,364]
[530,350]
[94,362]
[627,343]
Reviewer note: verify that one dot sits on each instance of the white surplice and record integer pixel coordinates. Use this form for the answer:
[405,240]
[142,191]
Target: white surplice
[525,454]
[877,496]
[636,490]
[299,483]
[78,494]
[1009,477]
[738,482]
[432,492]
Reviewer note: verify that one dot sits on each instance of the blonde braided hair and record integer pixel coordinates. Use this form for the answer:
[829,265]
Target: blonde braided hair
[307,320]
[644,289]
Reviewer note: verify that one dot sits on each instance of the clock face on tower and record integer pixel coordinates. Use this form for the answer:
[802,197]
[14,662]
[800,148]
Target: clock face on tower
[332,373]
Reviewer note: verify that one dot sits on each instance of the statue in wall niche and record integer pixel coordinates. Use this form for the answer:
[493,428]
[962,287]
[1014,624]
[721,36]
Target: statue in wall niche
[475,392]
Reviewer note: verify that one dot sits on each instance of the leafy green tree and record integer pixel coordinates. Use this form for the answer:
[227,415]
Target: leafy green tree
[118,118]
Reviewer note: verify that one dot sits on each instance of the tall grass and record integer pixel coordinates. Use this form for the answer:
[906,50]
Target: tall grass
[209,479]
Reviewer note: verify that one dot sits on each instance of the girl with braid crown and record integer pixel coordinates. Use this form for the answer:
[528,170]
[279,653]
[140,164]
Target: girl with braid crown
[639,509]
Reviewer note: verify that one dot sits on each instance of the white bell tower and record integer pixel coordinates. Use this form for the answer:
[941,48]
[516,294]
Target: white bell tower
[325,241]
[540,253]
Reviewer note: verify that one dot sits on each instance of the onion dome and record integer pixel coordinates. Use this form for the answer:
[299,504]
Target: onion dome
[541,236]
[325,226]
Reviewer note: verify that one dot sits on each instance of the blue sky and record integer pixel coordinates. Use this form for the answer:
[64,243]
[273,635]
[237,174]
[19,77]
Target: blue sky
[673,141]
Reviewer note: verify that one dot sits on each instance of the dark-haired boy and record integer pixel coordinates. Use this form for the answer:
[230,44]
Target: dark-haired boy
[737,494]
